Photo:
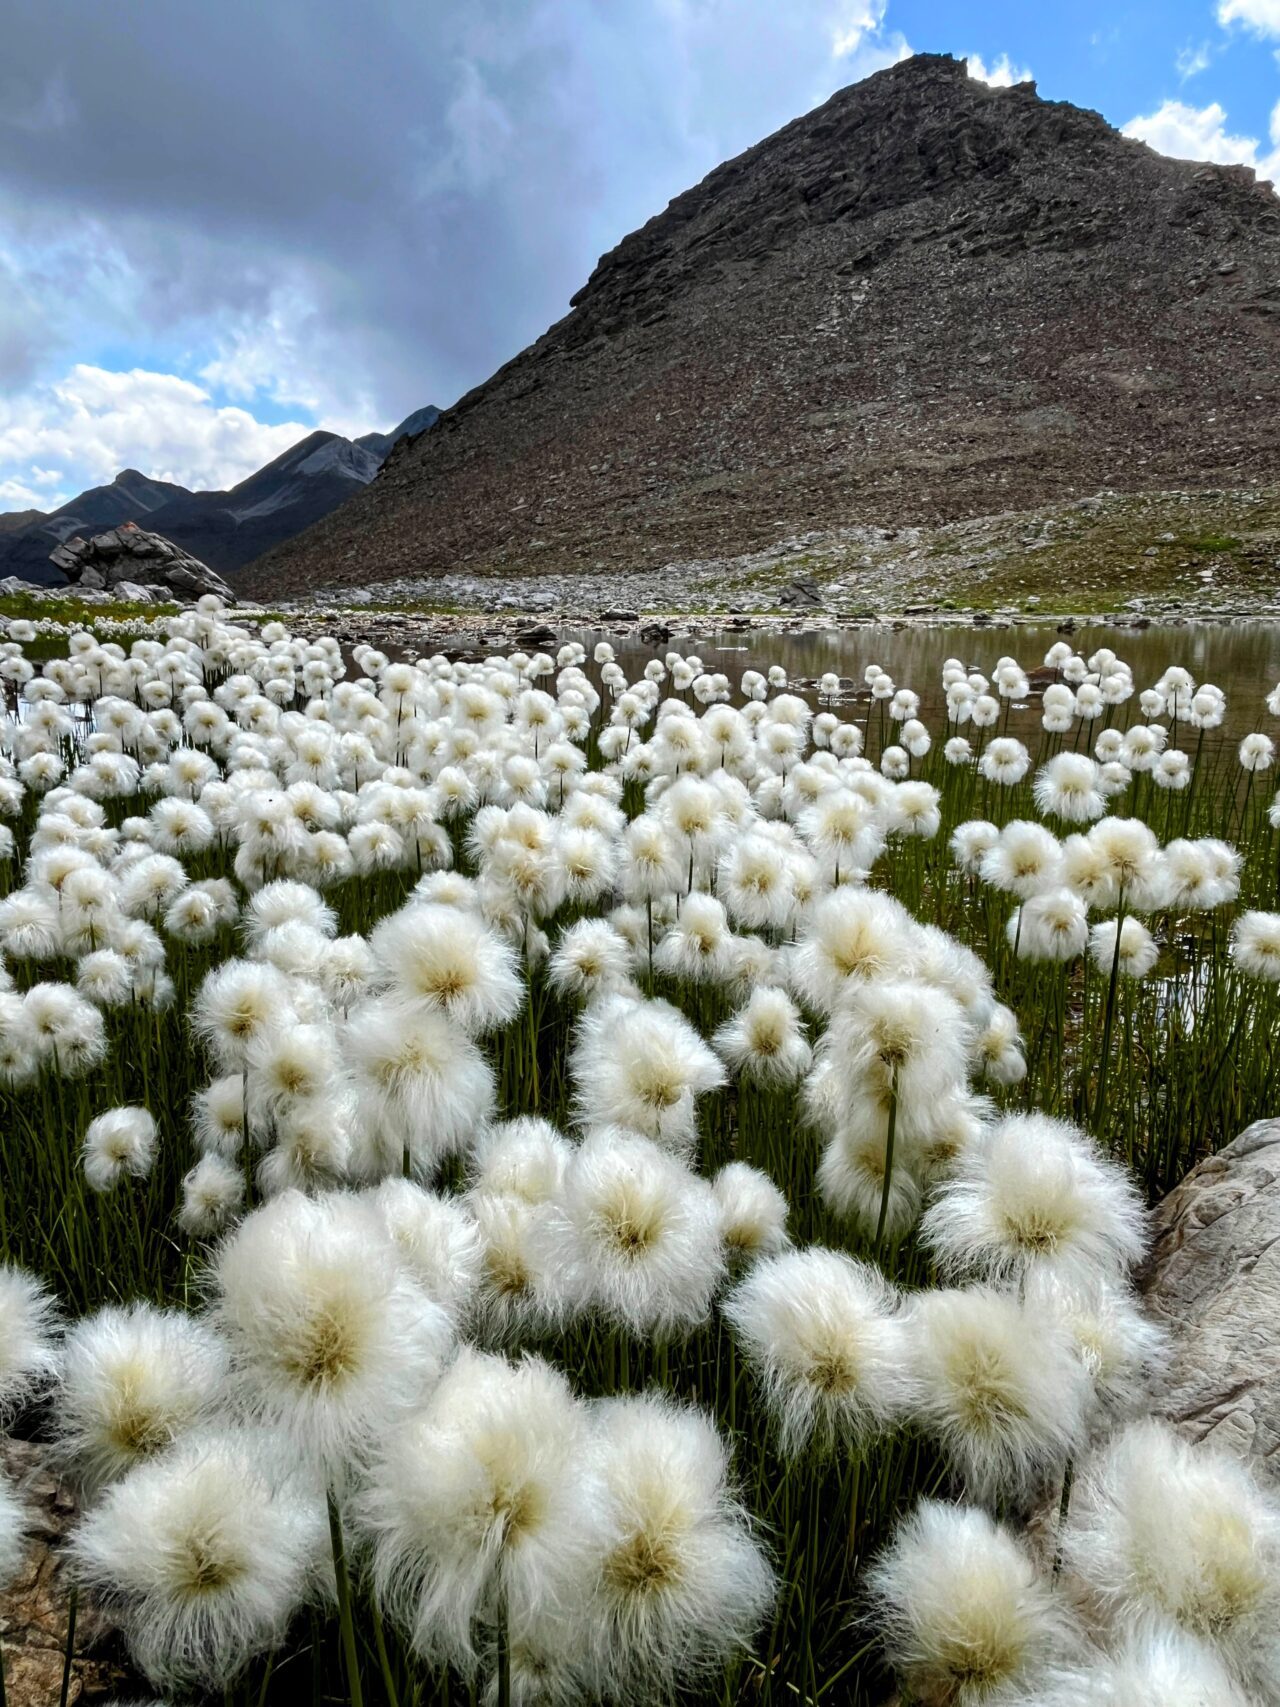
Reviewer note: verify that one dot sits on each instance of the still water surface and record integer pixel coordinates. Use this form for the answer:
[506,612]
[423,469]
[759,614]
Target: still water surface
[1242,658]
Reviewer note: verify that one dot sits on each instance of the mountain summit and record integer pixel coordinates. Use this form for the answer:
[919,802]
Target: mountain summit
[223,529]
[928,299]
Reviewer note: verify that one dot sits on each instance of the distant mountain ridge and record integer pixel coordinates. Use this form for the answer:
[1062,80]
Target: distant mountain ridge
[925,301]
[223,529]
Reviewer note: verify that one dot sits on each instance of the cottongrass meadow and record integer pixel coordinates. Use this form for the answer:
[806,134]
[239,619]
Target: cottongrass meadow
[523,1185]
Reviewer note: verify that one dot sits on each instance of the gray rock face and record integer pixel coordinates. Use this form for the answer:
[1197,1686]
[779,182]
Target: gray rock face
[1213,1281]
[130,556]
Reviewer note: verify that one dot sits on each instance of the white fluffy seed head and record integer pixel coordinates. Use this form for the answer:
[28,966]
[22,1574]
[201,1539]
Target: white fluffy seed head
[121,1141]
[1163,1532]
[204,1554]
[825,1338]
[446,958]
[1035,1197]
[641,1065]
[28,1324]
[328,1332]
[965,1614]
[131,1380]
[680,1581]
[999,1386]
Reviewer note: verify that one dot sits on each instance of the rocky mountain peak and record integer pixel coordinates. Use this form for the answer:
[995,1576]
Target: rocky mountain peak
[927,299]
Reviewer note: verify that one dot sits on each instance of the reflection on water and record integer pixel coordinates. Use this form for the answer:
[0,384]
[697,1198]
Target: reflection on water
[1242,658]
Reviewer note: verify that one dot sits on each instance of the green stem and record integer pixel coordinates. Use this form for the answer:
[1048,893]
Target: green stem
[349,1650]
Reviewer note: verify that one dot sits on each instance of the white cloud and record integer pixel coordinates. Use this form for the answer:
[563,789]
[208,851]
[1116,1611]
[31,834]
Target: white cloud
[1261,16]
[1001,73]
[855,21]
[1191,61]
[95,422]
[1200,133]
[15,495]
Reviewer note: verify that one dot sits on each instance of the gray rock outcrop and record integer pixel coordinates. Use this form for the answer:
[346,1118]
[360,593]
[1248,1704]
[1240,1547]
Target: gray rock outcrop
[1213,1281]
[129,555]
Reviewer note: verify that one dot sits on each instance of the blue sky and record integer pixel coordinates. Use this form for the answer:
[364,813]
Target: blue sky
[223,225]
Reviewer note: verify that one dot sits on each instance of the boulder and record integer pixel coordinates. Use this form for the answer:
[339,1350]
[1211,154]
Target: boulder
[129,555]
[1213,1282]
[34,1607]
[132,593]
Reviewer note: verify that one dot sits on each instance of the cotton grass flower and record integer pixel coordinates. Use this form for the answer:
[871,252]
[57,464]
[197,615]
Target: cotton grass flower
[681,1584]
[131,1380]
[765,1040]
[212,1193]
[28,1323]
[329,1335]
[472,1507]
[1127,945]
[642,1233]
[446,959]
[1165,1533]
[826,1340]
[641,1065]
[204,1555]
[1255,945]
[1034,1198]
[121,1141]
[998,1388]
[966,1616]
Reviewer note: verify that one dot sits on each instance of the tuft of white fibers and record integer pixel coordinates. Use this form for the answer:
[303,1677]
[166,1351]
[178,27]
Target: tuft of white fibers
[28,1322]
[475,1500]
[436,1239]
[998,1048]
[286,902]
[1161,1668]
[203,1555]
[330,1335]
[421,1085]
[640,1233]
[524,1158]
[1137,952]
[1053,925]
[752,1211]
[765,1039]
[312,1149]
[1163,1532]
[105,977]
[346,971]
[212,1193]
[1130,858]
[217,1114]
[896,1038]
[522,1287]
[850,934]
[14,1523]
[1255,945]
[288,1065]
[447,959]
[590,959]
[680,1582]
[699,947]
[1115,1339]
[851,1172]
[999,1386]
[965,1614]
[1067,788]
[68,1032]
[1026,859]
[235,1005]
[1035,1197]
[641,1065]
[826,1339]
[121,1141]
[132,1379]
